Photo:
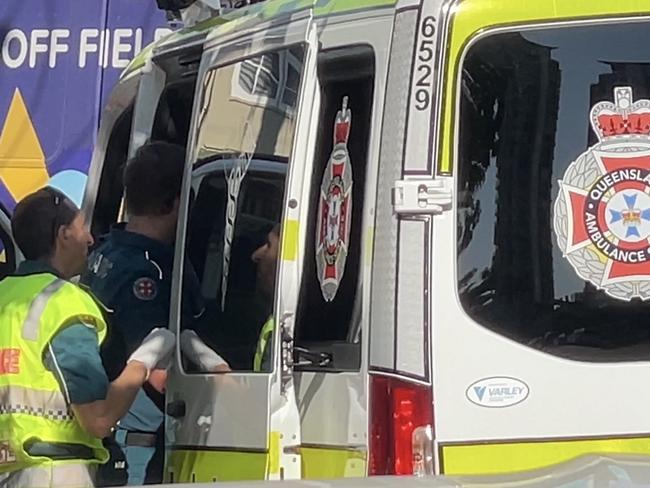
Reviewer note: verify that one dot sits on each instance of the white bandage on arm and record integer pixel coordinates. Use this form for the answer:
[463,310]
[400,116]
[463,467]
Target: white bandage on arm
[198,352]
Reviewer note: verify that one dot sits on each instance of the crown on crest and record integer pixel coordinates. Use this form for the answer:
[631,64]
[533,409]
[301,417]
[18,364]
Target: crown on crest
[624,117]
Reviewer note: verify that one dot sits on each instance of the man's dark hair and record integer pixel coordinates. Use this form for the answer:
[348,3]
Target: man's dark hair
[37,219]
[153,177]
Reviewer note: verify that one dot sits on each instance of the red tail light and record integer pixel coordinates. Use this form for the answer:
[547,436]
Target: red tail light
[397,408]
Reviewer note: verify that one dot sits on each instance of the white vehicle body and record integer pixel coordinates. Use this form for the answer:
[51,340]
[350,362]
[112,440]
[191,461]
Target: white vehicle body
[416,301]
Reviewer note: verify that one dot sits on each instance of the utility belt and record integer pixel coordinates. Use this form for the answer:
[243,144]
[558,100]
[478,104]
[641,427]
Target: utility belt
[59,451]
[131,438]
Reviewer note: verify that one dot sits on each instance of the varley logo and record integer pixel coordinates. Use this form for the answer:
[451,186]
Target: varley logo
[497,392]
[480,391]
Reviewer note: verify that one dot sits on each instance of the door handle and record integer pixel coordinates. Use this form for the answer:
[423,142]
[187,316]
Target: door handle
[176,409]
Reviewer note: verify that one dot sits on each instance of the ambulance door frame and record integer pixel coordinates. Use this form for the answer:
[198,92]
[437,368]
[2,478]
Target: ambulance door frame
[152,85]
[234,392]
[350,454]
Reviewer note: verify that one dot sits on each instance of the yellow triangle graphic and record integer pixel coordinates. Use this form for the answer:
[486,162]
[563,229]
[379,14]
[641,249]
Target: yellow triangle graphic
[22,161]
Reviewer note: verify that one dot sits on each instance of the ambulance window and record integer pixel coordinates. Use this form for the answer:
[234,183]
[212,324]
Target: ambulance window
[272,79]
[553,189]
[173,115]
[242,154]
[329,309]
[174,111]
[110,191]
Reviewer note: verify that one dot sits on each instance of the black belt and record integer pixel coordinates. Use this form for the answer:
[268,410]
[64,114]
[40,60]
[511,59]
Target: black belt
[136,439]
[59,451]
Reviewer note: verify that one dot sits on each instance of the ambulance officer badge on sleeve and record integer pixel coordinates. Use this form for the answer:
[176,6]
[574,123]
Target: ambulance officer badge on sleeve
[145,289]
[335,209]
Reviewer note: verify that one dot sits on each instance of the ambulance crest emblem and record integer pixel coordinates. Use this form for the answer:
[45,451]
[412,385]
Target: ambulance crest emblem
[602,211]
[335,209]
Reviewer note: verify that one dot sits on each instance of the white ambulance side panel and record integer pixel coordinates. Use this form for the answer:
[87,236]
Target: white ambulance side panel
[490,390]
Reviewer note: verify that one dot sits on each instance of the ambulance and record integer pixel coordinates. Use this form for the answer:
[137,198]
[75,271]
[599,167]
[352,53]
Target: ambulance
[462,192]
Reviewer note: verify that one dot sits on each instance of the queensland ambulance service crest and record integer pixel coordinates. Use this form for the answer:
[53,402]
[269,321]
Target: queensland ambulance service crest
[602,211]
[335,209]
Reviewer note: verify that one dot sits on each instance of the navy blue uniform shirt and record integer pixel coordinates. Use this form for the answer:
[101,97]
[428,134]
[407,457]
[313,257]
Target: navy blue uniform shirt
[131,275]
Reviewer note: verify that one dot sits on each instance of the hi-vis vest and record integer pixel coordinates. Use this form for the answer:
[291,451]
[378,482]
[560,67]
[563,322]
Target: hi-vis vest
[262,343]
[32,406]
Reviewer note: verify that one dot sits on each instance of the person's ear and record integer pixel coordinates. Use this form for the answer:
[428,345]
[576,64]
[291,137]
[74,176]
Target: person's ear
[63,233]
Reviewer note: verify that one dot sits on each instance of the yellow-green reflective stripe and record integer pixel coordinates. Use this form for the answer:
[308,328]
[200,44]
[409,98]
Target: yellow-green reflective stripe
[185,466]
[521,456]
[328,463]
[274,452]
[290,230]
[472,16]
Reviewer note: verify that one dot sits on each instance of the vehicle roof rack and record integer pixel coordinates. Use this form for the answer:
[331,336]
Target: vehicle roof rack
[186,13]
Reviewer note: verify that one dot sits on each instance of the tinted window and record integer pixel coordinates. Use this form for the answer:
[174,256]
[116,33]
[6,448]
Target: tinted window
[329,308]
[541,258]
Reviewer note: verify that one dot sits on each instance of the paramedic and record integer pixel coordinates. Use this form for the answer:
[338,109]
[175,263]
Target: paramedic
[130,272]
[266,258]
[56,401]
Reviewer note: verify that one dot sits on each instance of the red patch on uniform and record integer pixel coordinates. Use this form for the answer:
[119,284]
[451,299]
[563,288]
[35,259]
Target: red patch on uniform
[9,361]
[145,289]
[7,455]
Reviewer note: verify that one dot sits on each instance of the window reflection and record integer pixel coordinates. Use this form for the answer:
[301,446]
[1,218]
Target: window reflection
[244,142]
[524,117]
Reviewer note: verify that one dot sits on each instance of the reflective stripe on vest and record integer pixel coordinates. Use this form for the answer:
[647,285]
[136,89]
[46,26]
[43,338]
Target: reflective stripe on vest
[33,309]
[262,343]
[33,320]
[47,404]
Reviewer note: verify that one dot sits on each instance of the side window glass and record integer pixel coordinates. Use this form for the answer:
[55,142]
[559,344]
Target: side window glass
[552,217]
[272,79]
[329,310]
[238,183]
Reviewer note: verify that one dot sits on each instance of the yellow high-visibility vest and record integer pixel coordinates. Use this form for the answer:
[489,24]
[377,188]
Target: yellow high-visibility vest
[262,344]
[33,309]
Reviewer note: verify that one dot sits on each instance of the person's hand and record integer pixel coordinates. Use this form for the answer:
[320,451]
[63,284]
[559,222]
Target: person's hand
[157,348]
[199,353]
[158,379]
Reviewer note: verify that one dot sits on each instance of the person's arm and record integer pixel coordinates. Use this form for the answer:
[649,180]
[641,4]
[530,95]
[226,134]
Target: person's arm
[99,417]
[200,354]
[73,356]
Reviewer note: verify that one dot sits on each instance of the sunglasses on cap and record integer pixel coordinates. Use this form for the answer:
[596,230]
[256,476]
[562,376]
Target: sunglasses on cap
[61,204]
